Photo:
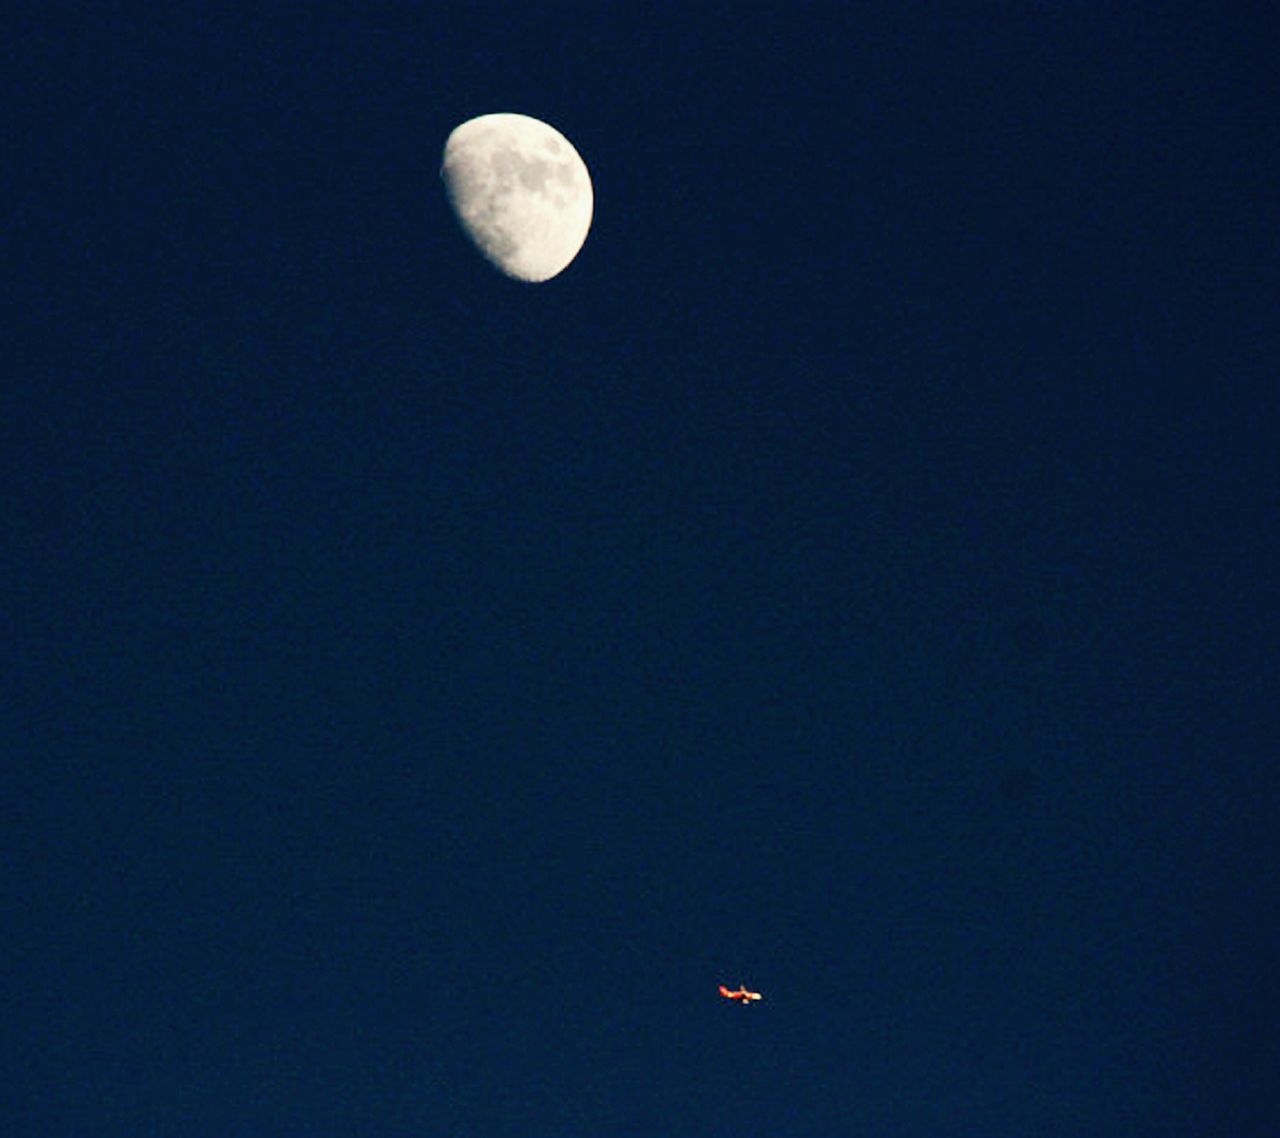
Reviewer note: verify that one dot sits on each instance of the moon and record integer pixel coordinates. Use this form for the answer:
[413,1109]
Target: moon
[521,193]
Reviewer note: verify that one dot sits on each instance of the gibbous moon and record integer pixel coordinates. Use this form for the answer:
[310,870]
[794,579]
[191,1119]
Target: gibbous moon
[520,191]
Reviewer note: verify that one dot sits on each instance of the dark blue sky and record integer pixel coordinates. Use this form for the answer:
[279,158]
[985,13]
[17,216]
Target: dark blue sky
[854,576]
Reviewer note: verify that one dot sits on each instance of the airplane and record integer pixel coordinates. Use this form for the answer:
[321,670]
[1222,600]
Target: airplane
[741,995]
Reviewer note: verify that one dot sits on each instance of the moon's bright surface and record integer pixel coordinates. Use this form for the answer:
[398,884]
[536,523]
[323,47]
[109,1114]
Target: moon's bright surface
[521,192]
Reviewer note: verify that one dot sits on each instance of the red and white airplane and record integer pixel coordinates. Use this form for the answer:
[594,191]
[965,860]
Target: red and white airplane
[741,995]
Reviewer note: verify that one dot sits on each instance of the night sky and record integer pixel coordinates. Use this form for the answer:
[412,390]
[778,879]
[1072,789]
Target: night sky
[855,576]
